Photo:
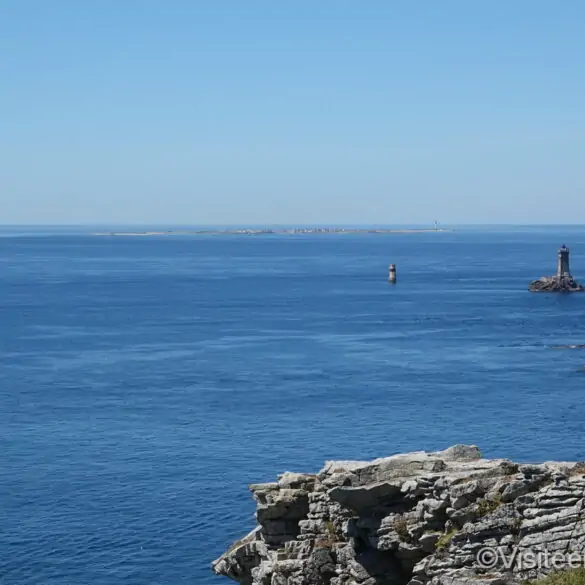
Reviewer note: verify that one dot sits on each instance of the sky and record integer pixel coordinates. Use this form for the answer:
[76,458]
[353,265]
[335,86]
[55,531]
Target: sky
[292,111]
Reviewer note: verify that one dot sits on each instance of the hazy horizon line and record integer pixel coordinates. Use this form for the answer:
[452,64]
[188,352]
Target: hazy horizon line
[430,225]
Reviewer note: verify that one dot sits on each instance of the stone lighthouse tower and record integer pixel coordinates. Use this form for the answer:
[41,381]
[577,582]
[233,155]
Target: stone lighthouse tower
[563,269]
[562,281]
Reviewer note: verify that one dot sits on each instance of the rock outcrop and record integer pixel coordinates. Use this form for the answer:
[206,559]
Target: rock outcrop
[556,284]
[449,517]
[562,281]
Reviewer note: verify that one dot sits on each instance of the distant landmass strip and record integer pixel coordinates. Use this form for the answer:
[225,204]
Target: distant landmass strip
[276,231]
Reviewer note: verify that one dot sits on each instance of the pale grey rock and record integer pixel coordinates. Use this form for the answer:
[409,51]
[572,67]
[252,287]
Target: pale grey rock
[428,541]
[368,496]
[555,284]
[242,558]
[292,480]
[417,518]
[337,467]
[344,478]
[460,453]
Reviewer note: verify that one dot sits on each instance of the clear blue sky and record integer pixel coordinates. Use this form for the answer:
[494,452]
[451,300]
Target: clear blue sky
[292,111]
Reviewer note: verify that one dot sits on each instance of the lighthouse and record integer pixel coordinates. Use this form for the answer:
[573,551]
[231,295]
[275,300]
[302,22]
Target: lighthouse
[563,269]
[562,281]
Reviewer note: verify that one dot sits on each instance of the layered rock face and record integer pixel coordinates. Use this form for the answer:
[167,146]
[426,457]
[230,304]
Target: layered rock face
[449,517]
[556,284]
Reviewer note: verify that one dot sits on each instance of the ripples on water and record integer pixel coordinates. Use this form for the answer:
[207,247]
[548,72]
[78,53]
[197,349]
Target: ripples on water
[146,381]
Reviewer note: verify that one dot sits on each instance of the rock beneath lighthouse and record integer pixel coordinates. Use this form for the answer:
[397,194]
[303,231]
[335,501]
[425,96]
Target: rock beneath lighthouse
[556,284]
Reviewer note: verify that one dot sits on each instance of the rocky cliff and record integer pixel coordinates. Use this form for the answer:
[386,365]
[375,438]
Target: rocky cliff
[449,517]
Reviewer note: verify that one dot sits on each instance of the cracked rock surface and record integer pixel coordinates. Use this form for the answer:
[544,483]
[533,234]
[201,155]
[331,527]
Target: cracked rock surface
[417,518]
[556,284]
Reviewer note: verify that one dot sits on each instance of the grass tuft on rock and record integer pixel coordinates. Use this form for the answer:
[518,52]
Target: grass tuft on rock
[401,528]
[486,507]
[571,577]
[445,539]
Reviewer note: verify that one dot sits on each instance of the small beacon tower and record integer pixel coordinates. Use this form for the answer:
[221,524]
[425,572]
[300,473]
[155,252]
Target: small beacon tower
[392,273]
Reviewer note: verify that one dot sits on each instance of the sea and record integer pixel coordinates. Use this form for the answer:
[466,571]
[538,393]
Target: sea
[146,381]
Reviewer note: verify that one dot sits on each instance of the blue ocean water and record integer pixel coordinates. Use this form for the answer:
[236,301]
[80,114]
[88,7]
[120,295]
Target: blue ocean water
[145,382]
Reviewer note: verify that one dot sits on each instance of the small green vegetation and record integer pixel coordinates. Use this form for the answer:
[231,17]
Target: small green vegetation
[401,528]
[445,539]
[485,506]
[572,577]
[330,539]
[326,542]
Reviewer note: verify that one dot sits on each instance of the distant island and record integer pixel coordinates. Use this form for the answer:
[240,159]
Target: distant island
[275,231]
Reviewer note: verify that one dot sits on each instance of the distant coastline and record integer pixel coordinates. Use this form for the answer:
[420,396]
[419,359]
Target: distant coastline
[275,231]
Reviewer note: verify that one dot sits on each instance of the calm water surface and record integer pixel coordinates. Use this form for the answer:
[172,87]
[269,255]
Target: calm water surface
[145,381]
